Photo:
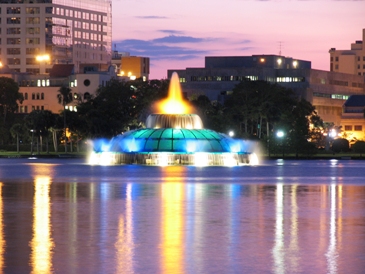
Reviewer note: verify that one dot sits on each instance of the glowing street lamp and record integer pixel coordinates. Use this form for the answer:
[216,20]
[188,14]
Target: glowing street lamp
[280,134]
[231,133]
[42,58]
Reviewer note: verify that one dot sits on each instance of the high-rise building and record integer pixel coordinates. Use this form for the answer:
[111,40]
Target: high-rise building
[35,34]
[350,61]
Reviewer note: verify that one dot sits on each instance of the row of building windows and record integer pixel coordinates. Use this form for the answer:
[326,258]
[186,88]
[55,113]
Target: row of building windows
[332,96]
[35,96]
[354,128]
[290,79]
[24,109]
[241,78]
[223,78]
[28,41]
[80,15]
[339,83]
[24,1]
[358,58]
[17,51]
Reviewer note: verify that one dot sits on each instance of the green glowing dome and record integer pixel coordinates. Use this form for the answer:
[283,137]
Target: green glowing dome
[174,140]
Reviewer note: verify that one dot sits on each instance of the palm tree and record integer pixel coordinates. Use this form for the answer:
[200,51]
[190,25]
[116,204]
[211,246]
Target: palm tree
[16,130]
[64,98]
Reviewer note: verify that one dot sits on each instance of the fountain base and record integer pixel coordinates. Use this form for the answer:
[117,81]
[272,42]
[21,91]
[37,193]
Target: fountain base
[170,159]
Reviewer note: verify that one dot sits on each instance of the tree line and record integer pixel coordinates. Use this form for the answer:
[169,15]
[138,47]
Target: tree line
[254,110]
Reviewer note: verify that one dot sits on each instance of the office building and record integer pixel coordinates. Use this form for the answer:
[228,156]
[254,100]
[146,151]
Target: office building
[351,60]
[36,34]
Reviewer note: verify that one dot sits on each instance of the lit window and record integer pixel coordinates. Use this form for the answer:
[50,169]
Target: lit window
[295,64]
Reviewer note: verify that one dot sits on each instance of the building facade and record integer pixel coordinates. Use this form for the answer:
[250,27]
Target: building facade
[132,67]
[40,92]
[327,91]
[35,34]
[349,61]
[352,120]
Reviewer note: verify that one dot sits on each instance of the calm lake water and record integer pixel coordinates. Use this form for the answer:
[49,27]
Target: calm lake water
[64,216]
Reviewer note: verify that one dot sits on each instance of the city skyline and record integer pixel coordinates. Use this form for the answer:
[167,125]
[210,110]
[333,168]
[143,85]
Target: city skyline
[179,34]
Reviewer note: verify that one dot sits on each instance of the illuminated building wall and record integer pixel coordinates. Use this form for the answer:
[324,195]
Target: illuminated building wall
[134,67]
[36,34]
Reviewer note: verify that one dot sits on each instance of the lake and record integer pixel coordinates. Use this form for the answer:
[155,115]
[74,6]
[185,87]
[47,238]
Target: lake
[282,216]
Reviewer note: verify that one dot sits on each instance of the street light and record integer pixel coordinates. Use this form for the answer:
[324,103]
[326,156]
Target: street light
[280,134]
[42,58]
[31,145]
[231,133]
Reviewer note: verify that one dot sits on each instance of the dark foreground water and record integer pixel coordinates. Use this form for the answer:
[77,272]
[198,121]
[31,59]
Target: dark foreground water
[63,216]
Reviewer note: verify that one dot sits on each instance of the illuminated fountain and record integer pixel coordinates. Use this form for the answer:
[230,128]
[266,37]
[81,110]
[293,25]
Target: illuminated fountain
[173,137]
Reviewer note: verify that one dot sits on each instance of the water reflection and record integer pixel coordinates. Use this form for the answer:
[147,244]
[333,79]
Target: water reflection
[331,251]
[2,240]
[172,226]
[181,224]
[41,244]
[125,245]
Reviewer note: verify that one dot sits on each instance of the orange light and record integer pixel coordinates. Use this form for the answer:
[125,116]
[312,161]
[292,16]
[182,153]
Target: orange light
[262,60]
[174,104]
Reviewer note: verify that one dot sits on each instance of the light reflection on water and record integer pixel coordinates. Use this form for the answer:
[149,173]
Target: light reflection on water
[127,219]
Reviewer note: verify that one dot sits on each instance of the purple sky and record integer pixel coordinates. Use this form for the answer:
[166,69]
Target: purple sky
[176,34]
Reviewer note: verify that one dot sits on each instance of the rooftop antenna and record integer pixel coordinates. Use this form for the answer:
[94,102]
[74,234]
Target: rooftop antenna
[280,44]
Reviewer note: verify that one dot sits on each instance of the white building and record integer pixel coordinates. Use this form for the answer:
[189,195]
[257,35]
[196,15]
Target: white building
[350,61]
[35,34]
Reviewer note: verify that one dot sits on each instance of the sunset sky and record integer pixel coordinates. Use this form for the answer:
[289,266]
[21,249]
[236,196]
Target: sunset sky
[176,34]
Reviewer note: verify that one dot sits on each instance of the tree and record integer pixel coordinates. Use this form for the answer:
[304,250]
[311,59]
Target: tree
[16,130]
[212,113]
[64,98]
[340,145]
[299,118]
[119,106]
[9,96]
[256,103]
[39,123]
[359,147]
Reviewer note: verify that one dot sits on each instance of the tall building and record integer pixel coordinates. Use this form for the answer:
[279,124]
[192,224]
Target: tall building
[35,34]
[350,61]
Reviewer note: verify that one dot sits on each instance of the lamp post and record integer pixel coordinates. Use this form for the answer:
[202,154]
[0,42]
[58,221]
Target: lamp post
[280,134]
[31,145]
[42,58]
